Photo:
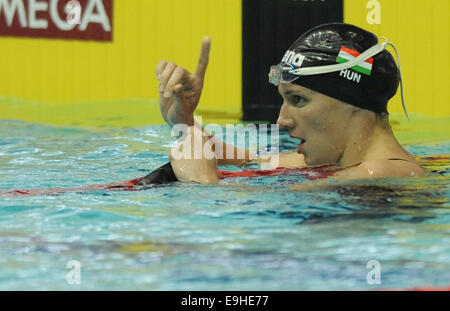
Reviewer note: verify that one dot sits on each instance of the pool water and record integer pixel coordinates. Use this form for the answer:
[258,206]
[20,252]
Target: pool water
[195,237]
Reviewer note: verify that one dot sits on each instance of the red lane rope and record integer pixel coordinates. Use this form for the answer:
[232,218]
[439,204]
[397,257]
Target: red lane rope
[121,186]
[311,173]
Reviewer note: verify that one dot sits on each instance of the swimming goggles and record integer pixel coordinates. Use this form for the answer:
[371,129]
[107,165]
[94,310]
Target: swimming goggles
[287,73]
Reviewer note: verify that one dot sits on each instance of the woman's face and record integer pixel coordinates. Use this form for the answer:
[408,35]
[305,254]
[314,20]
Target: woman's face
[321,122]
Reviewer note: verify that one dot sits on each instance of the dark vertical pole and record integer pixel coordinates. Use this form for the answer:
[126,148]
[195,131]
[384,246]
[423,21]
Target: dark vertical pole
[269,28]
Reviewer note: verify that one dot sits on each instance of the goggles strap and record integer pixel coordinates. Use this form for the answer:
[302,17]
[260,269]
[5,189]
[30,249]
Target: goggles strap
[333,68]
[401,80]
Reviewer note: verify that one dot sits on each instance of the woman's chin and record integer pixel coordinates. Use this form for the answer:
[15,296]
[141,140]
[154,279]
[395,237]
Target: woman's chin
[308,160]
[311,161]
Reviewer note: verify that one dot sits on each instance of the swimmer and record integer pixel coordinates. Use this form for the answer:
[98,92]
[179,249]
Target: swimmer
[334,103]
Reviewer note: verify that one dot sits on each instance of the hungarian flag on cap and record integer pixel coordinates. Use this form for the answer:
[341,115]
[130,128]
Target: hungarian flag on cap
[346,54]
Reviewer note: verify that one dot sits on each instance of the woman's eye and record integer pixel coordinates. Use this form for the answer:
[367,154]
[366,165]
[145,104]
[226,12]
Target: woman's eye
[298,101]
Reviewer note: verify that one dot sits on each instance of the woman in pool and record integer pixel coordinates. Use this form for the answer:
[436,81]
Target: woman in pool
[334,102]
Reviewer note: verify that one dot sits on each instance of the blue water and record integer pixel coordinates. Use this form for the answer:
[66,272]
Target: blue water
[194,237]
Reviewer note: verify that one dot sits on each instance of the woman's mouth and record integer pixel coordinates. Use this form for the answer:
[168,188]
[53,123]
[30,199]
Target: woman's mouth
[300,146]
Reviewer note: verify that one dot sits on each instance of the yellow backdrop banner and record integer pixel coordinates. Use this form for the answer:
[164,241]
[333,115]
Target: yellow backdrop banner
[70,82]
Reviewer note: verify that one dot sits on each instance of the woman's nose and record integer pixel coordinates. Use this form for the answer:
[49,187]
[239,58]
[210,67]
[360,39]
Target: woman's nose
[284,120]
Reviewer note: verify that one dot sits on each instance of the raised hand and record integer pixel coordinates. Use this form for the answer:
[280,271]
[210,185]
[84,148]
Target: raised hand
[179,90]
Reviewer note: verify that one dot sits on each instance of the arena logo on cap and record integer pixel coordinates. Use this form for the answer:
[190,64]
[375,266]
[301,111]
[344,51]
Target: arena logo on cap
[54,19]
[293,58]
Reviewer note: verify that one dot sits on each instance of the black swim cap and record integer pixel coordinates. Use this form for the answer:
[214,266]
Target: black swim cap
[369,86]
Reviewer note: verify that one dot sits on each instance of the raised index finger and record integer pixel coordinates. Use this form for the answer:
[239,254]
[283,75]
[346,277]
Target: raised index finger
[204,58]
[160,68]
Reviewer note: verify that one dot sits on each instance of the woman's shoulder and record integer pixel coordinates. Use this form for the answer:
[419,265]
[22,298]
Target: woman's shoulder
[381,168]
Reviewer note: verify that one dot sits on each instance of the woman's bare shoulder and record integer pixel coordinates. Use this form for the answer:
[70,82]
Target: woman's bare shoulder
[382,168]
[366,170]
